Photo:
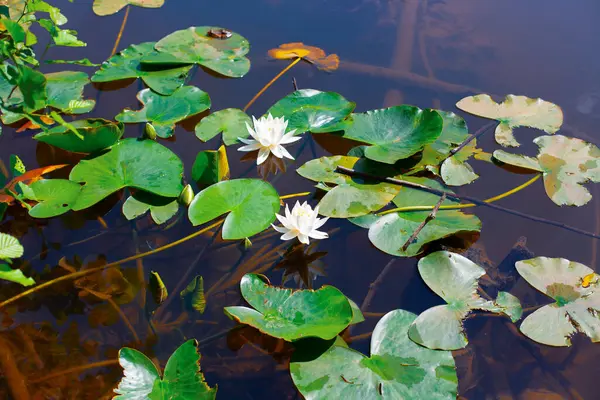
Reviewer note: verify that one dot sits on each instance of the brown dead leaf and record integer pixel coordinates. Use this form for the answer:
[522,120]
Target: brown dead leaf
[27,178]
[312,54]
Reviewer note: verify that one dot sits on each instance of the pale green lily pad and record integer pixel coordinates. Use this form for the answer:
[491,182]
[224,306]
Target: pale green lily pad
[231,121]
[96,134]
[141,164]
[348,198]
[391,231]
[510,305]
[10,247]
[292,315]
[195,45]
[15,275]
[513,112]
[161,209]
[312,110]
[397,369]
[182,378]
[394,133]
[54,196]
[211,166]
[576,292]
[251,204]
[455,279]
[567,163]
[455,171]
[163,112]
[109,7]
[127,64]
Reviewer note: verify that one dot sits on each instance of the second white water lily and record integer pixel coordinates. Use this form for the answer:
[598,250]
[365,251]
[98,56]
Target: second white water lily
[268,136]
[302,222]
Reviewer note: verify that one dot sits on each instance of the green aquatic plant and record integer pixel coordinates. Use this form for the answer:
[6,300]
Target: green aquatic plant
[10,248]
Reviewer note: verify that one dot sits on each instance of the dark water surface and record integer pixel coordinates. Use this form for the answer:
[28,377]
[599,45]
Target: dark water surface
[432,54]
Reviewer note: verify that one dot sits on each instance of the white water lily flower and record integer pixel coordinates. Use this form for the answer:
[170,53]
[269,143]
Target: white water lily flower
[268,136]
[302,223]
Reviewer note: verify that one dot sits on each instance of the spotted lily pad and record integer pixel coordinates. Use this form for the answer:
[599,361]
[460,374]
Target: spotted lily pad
[289,314]
[141,164]
[127,64]
[312,110]
[576,292]
[349,198]
[163,112]
[54,197]
[196,45]
[108,7]
[513,112]
[95,134]
[455,279]
[182,378]
[161,208]
[251,204]
[391,231]
[397,369]
[231,121]
[567,163]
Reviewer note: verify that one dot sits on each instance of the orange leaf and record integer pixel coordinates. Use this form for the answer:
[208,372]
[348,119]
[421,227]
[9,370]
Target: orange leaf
[312,54]
[27,178]
[32,125]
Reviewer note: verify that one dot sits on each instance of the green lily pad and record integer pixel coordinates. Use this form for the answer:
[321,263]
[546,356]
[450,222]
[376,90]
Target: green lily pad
[182,378]
[10,247]
[348,198]
[394,133]
[312,110]
[141,164]
[513,112]
[127,64]
[391,231]
[576,292]
[567,163]
[15,275]
[292,315]
[96,134]
[109,7]
[231,121]
[54,196]
[211,166]
[510,305]
[397,369]
[195,45]
[251,203]
[163,112]
[161,208]
[455,279]
[65,92]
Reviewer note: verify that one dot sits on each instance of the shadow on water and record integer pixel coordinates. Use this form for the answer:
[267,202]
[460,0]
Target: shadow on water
[64,341]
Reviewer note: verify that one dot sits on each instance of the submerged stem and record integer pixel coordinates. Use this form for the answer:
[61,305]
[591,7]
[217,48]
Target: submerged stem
[79,368]
[461,206]
[272,81]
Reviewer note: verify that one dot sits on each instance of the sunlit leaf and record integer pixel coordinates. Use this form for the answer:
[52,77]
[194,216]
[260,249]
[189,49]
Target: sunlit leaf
[349,198]
[193,295]
[576,308]
[292,315]
[182,379]
[65,87]
[455,171]
[390,232]
[61,37]
[127,64]
[455,279]
[108,7]
[513,112]
[10,247]
[163,112]
[231,121]
[567,163]
[141,164]
[312,54]
[14,275]
[94,134]
[54,196]
[161,209]
[14,30]
[510,305]
[312,110]
[27,178]
[211,166]
[195,45]
[397,368]
[17,167]
[251,204]
[85,62]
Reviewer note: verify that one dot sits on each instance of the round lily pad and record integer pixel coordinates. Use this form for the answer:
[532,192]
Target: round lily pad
[231,121]
[109,7]
[54,196]
[96,134]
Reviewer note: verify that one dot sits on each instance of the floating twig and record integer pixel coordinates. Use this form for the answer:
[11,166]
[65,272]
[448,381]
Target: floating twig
[474,136]
[295,83]
[478,202]
[430,217]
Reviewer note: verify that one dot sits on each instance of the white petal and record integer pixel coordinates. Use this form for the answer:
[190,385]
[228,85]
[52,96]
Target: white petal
[288,214]
[289,235]
[284,221]
[284,152]
[318,235]
[250,147]
[263,154]
[247,141]
[281,229]
[290,137]
[277,151]
[319,222]
[303,238]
